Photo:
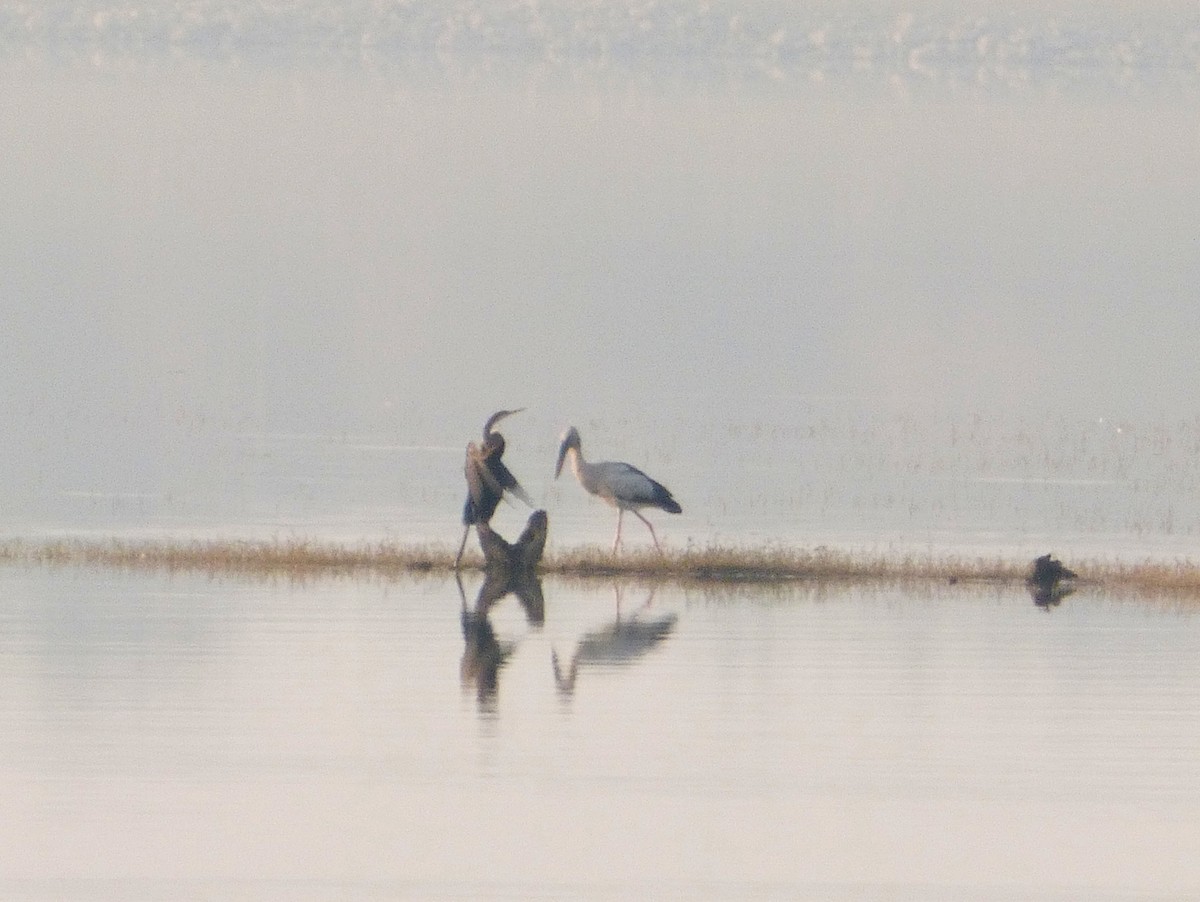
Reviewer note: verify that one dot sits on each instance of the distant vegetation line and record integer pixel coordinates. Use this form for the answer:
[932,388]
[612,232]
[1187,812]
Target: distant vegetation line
[716,564]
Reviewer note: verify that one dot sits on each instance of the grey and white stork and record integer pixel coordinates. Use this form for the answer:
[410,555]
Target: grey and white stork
[487,479]
[623,486]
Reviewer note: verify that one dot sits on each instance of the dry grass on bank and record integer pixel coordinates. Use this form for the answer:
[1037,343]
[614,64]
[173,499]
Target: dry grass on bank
[737,564]
[302,559]
[292,557]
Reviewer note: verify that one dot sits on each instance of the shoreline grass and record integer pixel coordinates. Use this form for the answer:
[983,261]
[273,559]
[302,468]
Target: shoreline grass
[305,558]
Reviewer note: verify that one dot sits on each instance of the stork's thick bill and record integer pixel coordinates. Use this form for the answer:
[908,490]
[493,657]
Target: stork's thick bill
[570,440]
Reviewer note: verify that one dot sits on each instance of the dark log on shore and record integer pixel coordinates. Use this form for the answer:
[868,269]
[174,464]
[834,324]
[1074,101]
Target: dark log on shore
[1046,581]
[520,557]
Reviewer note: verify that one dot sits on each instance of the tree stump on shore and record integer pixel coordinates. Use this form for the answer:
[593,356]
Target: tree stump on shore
[516,558]
[508,568]
[1049,581]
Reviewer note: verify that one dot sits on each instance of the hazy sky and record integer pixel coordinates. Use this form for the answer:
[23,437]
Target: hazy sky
[197,252]
[317,250]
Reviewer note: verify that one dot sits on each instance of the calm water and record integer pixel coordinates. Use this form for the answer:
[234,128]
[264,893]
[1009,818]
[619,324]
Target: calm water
[841,273]
[184,737]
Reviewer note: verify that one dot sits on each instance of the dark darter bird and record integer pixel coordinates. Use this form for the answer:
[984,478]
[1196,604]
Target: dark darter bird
[487,479]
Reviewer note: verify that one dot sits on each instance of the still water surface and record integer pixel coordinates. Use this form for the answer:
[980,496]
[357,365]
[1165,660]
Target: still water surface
[190,737]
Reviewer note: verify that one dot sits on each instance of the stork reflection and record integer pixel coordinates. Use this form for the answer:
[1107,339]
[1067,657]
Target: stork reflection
[616,644]
[511,569]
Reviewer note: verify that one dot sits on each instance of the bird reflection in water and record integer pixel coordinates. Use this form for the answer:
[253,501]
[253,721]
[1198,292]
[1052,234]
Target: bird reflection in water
[511,569]
[1048,597]
[617,644]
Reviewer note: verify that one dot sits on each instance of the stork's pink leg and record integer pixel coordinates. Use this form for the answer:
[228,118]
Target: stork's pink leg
[651,528]
[617,537]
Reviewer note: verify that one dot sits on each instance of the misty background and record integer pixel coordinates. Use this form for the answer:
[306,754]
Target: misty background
[244,221]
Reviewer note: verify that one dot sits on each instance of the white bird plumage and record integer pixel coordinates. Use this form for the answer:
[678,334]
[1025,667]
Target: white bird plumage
[623,486]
